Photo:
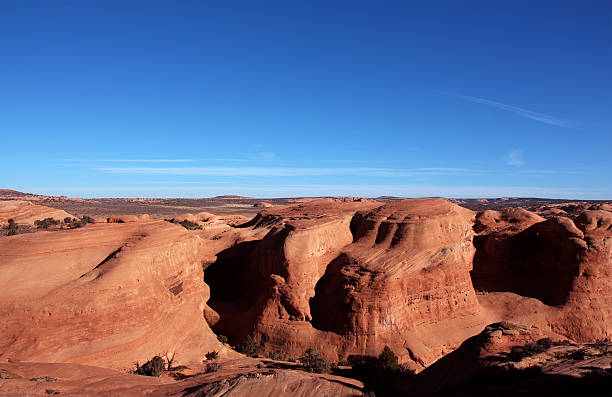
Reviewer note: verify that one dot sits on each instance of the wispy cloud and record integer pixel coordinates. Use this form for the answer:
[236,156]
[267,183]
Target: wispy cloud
[412,190]
[530,114]
[515,158]
[129,160]
[289,171]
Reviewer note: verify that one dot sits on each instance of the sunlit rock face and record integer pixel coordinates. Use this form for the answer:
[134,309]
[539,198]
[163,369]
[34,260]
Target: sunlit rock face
[350,278]
[106,294]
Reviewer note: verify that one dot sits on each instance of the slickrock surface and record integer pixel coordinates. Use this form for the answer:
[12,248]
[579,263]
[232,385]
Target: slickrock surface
[351,277]
[35,379]
[265,383]
[105,294]
[26,212]
[232,379]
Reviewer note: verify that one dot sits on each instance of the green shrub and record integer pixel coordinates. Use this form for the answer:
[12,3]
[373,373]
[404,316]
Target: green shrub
[603,345]
[223,339]
[517,353]
[249,347]
[11,227]
[387,359]
[45,223]
[405,370]
[76,224]
[533,348]
[212,355]
[190,225]
[313,362]
[363,364]
[546,343]
[277,355]
[579,354]
[153,367]
[87,219]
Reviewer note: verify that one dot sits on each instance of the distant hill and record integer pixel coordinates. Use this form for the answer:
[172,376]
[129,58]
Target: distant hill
[13,193]
[230,196]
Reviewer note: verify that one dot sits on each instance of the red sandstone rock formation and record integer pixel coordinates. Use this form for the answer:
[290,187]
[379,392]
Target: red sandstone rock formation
[565,264]
[484,365]
[351,277]
[341,275]
[107,294]
[26,212]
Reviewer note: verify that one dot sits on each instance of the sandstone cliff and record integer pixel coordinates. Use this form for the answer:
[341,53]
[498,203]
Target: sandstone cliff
[564,263]
[351,277]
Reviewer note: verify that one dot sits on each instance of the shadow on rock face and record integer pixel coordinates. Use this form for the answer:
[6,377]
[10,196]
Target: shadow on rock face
[540,262]
[330,305]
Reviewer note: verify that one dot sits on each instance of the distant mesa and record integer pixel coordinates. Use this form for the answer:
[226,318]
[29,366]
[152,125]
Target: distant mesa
[229,196]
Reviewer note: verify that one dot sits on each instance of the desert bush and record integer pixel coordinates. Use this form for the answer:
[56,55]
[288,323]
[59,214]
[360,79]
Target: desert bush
[170,359]
[405,370]
[11,227]
[190,225]
[517,353]
[387,360]
[87,219]
[212,355]
[546,343]
[534,348]
[313,362]
[212,367]
[363,364]
[603,345]
[276,355]
[579,354]
[75,224]
[223,339]
[45,223]
[249,347]
[153,367]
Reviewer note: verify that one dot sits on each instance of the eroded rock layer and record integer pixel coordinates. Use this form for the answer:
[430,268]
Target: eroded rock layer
[26,212]
[107,295]
[564,263]
[351,277]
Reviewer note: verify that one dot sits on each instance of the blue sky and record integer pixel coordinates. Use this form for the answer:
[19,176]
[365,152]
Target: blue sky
[307,98]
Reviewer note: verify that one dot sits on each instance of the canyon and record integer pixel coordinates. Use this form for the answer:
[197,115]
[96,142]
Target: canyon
[429,278]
